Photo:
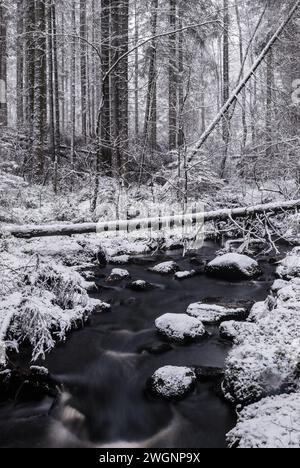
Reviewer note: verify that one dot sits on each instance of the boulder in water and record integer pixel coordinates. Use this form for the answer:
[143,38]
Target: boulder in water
[116,275]
[140,286]
[233,266]
[214,314]
[171,382]
[165,268]
[182,275]
[180,327]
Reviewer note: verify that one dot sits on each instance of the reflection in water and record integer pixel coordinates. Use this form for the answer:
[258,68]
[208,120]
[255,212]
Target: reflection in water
[105,366]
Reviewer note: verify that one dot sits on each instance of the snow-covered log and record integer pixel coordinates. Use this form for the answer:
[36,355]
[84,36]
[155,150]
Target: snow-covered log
[30,231]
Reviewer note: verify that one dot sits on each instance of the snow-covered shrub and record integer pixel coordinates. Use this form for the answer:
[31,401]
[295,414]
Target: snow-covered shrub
[40,301]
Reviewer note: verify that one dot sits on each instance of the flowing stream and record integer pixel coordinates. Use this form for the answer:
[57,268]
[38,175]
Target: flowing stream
[104,368]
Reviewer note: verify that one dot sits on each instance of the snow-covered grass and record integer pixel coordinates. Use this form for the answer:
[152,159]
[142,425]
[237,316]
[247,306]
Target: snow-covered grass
[264,362]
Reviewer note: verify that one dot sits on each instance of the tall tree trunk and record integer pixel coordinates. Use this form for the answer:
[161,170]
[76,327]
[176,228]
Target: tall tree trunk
[83,68]
[181,99]
[241,50]
[104,126]
[269,103]
[115,85]
[73,88]
[136,72]
[123,74]
[225,123]
[119,79]
[20,64]
[150,126]
[64,80]
[103,130]
[3,65]
[50,81]
[173,103]
[56,78]
[40,107]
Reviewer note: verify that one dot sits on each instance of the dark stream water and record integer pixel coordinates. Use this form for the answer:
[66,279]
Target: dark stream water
[104,368]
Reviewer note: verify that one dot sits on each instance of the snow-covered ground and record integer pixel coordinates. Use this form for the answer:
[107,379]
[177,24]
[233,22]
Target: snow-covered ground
[265,362]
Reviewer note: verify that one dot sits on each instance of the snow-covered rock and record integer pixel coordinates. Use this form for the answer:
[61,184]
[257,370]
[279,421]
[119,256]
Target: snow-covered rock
[119,259]
[271,423]
[165,268]
[210,314]
[179,327]
[117,274]
[182,275]
[258,311]
[172,382]
[290,266]
[140,286]
[279,284]
[235,331]
[233,266]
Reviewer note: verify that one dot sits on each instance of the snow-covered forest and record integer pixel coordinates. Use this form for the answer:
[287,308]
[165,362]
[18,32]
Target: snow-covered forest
[117,111]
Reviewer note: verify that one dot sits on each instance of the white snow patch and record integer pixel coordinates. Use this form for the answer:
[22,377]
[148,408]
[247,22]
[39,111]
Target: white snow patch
[179,326]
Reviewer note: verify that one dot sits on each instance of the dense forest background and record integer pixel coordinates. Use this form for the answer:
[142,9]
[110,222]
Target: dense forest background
[97,91]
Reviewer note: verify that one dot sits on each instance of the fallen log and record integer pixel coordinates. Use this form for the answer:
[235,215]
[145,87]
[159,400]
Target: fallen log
[30,231]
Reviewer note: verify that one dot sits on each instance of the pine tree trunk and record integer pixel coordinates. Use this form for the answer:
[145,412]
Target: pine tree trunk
[56,78]
[150,126]
[173,104]
[83,68]
[40,103]
[225,123]
[3,66]
[123,82]
[136,73]
[73,89]
[20,63]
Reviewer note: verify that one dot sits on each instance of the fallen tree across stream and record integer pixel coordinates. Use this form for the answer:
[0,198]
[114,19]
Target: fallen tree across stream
[30,231]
